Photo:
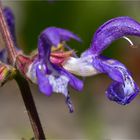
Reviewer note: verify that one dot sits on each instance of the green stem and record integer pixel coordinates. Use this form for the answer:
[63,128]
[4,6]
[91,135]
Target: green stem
[30,107]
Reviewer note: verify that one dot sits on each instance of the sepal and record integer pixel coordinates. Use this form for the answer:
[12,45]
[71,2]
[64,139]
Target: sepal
[7,72]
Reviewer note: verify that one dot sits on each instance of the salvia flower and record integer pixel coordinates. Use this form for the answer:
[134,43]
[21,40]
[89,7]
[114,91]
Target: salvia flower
[52,66]
[123,88]
[46,69]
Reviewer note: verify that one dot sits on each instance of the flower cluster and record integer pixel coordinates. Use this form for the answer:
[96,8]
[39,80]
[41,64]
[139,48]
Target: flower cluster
[53,66]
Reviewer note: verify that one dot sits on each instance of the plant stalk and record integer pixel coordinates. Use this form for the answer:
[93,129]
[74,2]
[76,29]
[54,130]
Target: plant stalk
[30,107]
[22,83]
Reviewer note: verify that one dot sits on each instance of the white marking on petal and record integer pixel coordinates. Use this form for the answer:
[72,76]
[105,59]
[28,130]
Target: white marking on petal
[80,66]
[59,84]
[128,81]
[40,66]
[129,89]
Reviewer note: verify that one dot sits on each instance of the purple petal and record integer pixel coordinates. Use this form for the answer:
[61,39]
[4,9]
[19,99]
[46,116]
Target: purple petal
[110,67]
[9,16]
[66,35]
[43,82]
[122,93]
[74,82]
[48,38]
[112,30]
[4,56]
[44,49]
[52,36]
[56,35]
[69,104]
[123,89]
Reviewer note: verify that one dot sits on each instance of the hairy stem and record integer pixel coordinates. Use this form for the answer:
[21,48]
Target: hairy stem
[30,107]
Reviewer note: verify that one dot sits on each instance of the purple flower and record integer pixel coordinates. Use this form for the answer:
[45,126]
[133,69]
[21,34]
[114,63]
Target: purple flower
[123,88]
[45,66]
[49,76]
[9,17]
[52,66]
[55,62]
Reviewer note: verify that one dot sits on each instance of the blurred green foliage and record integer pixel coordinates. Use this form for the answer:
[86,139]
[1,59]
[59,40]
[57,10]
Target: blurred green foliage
[81,17]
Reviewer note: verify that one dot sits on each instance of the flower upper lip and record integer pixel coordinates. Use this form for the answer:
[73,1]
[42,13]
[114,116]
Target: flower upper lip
[112,30]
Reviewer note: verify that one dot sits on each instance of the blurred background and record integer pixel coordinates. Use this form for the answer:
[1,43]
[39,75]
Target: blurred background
[95,117]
